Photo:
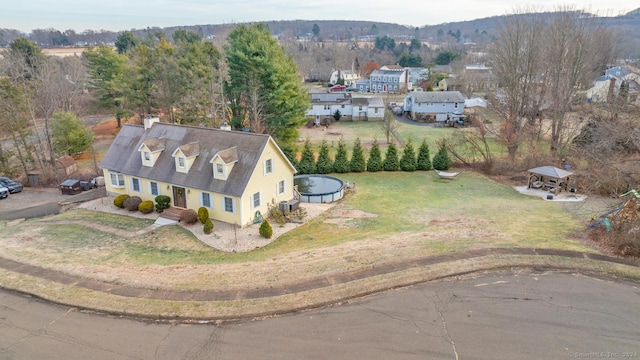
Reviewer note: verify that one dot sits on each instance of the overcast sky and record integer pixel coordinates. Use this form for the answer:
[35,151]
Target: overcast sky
[117,15]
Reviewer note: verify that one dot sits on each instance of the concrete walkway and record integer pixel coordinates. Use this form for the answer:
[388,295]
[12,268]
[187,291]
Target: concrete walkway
[314,284]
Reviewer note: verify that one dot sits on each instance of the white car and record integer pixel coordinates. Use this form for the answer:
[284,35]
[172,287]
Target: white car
[4,192]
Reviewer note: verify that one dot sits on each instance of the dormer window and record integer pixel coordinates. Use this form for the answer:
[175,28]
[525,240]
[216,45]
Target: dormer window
[185,156]
[150,151]
[223,162]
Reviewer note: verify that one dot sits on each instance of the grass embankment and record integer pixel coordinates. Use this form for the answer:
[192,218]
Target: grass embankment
[432,216]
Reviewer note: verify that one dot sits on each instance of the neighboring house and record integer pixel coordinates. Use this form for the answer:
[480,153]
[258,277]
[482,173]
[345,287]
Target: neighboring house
[417,75]
[607,87]
[368,108]
[363,85]
[441,106]
[325,105]
[389,81]
[617,71]
[479,78]
[348,77]
[235,175]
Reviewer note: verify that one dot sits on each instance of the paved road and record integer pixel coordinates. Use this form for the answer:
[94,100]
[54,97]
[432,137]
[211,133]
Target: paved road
[492,316]
[31,203]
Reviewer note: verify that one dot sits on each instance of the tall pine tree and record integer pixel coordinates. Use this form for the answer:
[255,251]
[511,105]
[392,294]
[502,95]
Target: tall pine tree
[307,164]
[260,69]
[391,159]
[424,158]
[324,164]
[341,162]
[408,160]
[374,163]
[441,159]
[358,163]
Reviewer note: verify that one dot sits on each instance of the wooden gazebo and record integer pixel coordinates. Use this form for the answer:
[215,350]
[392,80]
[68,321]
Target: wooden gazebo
[549,178]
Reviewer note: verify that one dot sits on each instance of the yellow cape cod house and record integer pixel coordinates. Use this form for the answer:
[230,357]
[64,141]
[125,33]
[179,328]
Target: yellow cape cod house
[235,175]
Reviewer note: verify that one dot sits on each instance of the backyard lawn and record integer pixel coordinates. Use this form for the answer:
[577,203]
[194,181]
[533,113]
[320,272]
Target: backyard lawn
[389,217]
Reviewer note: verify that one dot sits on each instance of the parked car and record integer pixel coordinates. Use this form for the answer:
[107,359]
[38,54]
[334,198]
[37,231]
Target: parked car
[4,192]
[13,186]
[338,88]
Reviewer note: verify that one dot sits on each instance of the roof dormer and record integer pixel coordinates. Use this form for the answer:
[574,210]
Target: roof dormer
[150,150]
[185,156]
[223,162]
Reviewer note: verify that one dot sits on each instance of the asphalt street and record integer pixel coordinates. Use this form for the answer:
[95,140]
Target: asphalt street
[32,203]
[505,315]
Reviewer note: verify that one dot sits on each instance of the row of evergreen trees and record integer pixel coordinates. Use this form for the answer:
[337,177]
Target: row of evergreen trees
[409,161]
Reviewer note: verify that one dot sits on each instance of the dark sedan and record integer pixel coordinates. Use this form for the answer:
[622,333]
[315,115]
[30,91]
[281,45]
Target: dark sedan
[13,186]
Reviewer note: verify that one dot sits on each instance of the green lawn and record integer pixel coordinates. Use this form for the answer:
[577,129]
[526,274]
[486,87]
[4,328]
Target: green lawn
[474,211]
[438,216]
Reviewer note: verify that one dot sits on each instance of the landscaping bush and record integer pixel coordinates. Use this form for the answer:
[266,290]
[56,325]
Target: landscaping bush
[203,214]
[146,207]
[341,163]
[408,160]
[441,160]
[276,215]
[189,216]
[119,200]
[208,226]
[391,159]
[307,163]
[265,230]
[132,203]
[358,163]
[324,164]
[424,158]
[162,202]
[374,163]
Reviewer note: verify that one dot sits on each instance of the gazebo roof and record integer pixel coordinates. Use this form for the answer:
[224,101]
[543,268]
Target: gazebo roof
[551,171]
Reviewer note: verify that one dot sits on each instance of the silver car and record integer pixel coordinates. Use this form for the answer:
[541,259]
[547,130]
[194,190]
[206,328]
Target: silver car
[4,192]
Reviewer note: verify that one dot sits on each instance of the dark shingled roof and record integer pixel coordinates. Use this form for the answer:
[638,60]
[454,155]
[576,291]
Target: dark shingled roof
[191,149]
[154,144]
[123,156]
[551,171]
[229,155]
[437,96]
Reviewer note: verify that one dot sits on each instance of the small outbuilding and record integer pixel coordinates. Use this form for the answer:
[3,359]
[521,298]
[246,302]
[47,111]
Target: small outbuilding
[549,178]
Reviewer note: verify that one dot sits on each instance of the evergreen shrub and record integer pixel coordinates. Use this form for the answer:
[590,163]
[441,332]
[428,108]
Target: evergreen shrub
[118,201]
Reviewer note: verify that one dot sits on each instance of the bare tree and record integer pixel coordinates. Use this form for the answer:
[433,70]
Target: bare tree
[570,58]
[517,63]
[52,92]
[389,125]
[219,112]
[14,121]
[472,145]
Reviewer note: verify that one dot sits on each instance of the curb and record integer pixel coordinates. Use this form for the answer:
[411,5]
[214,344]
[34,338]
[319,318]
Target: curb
[338,287]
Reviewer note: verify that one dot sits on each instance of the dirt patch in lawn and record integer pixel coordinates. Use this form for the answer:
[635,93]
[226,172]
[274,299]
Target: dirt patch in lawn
[342,216]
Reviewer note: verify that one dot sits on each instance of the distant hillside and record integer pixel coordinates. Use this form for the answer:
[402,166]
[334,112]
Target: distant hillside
[478,31]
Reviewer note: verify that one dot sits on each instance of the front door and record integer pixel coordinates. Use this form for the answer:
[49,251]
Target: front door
[179,197]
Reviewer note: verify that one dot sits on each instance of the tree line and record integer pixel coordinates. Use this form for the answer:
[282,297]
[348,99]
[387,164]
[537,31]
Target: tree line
[249,82]
[410,160]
